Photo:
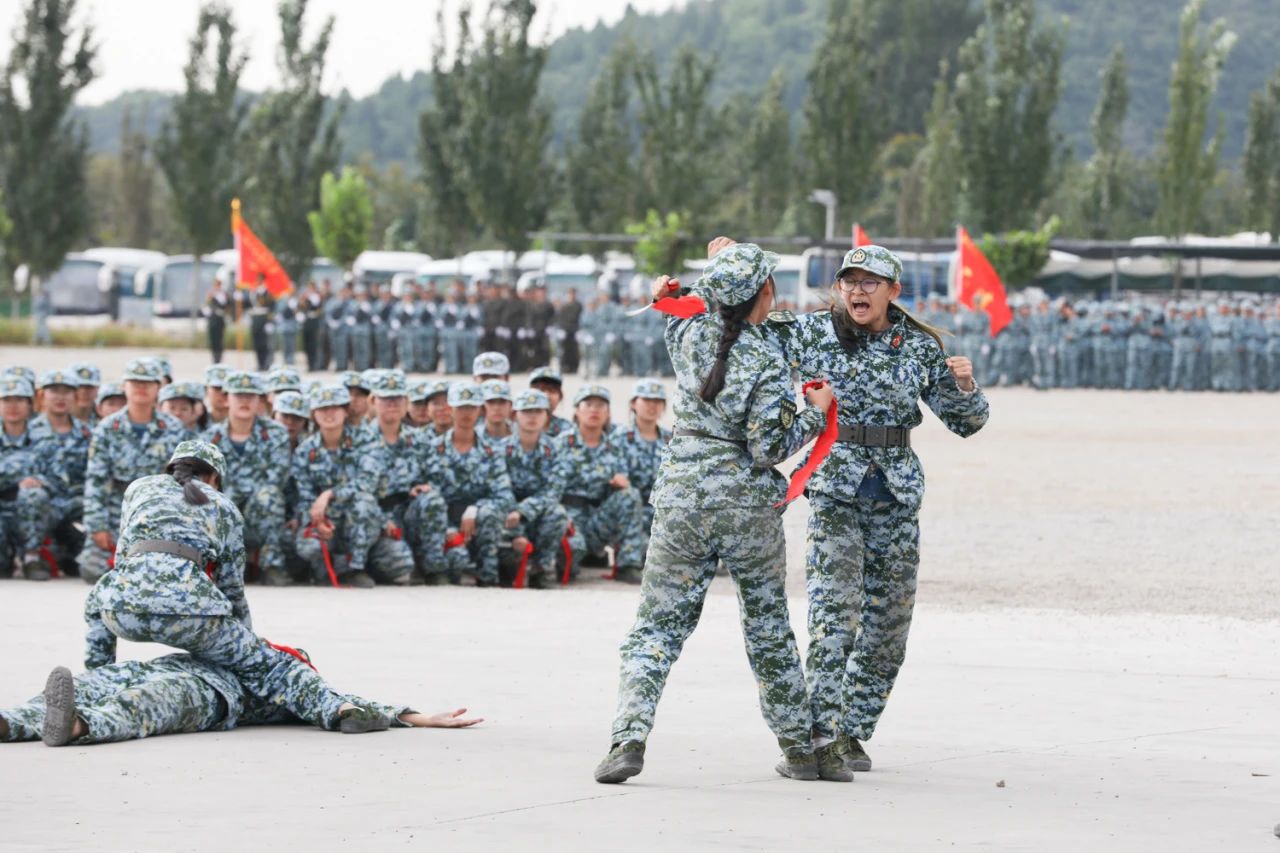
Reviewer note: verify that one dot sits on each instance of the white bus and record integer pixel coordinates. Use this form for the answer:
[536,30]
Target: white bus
[99,286]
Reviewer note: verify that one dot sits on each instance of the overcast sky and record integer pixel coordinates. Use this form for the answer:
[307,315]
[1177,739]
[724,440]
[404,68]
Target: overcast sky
[143,43]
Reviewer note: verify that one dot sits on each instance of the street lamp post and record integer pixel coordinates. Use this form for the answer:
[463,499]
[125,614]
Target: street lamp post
[827,199]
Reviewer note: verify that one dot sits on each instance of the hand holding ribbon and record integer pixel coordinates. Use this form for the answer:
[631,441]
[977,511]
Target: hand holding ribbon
[818,454]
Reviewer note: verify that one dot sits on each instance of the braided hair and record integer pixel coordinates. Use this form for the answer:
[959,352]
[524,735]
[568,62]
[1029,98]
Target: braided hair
[187,472]
[734,317]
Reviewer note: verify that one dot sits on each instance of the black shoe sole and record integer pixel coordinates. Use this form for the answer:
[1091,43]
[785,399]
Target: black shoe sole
[59,707]
[620,769]
[363,725]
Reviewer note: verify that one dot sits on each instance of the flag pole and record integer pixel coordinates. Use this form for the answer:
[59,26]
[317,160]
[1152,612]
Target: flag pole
[236,223]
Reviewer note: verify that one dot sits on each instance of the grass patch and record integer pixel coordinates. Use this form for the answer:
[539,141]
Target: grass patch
[22,333]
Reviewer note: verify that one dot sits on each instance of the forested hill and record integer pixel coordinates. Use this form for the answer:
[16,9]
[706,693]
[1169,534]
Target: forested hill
[751,38]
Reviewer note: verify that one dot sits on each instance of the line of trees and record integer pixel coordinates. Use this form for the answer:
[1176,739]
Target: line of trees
[916,115]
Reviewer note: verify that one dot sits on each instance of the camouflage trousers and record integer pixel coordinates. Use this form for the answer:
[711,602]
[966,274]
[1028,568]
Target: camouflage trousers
[270,675]
[424,521]
[25,522]
[127,701]
[385,347]
[361,348]
[264,525]
[340,342]
[860,570]
[686,547]
[479,556]
[94,561]
[617,521]
[545,530]
[356,528]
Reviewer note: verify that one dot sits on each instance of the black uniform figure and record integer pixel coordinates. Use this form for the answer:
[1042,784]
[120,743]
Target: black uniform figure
[215,311]
[260,310]
[542,316]
[312,323]
[569,320]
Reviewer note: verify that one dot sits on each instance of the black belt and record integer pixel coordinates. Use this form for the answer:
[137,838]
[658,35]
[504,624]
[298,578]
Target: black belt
[875,436]
[9,494]
[162,546]
[740,443]
[399,499]
[579,502]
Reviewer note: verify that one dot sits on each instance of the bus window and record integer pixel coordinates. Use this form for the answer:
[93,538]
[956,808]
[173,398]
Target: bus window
[74,289]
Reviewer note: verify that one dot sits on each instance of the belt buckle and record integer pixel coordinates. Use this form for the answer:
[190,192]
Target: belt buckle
[876,436]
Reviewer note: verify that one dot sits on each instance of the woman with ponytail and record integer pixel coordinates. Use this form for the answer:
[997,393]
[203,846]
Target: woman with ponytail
[862,547]
[178,579]
[715,500]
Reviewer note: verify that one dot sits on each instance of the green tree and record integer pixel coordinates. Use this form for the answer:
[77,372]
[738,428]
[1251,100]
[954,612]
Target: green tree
[930,197]
[508,176]
[137,187]
[1188,166]
[42,147]
[296,142]
[1019,255]
[839,135]
[1006,90]
[599,169]
[680,135]
[766,165]
[447,224]
[1261,166]
[1105,174]
[662,243]
[340,228]
[198,146]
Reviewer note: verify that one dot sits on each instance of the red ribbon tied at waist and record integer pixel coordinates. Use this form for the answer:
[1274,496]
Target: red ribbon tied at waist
[683,307]
[818,454]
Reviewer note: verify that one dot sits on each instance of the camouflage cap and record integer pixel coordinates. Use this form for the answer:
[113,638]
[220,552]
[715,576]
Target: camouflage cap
[546,374]
[649,389]
[391,383]
[89,373]
[876,260]
[738,272]
[352,379]
[243,382]
[496,389]
[16,386]
[182,391]
[202,450]
[283,379]
[422,391]
[19,372]
[216,374]
[59,377]
[587,391]
[106,391]
[465,393]
[531,399]
[291,403]
[166,367]
[143,370]
[371,377]
[329,396]
[490,364]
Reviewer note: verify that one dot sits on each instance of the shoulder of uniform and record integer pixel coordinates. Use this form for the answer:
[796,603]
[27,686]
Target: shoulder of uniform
[781,317]
[168,421]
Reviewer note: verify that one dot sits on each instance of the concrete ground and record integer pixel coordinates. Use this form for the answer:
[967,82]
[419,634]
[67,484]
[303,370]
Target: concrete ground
[1092,666]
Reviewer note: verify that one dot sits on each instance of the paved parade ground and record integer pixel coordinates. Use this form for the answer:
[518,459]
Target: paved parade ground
[1093,666]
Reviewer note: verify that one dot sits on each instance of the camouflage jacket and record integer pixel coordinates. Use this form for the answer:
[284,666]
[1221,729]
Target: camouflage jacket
[643,456]
[32,454]
[754,418]
[588,470]
[475,478]
[263,461]
[537,476]
[410,462]
[148,582]
[117,457]
[558,426]
[881,385]
[72,446]
[350,470]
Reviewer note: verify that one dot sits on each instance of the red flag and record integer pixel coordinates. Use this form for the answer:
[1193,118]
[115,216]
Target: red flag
[977,284]
[256,258]
[860,237]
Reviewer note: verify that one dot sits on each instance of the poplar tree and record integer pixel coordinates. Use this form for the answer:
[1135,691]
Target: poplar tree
[340,228]
[1261,164]
[600,174]
[1105,173]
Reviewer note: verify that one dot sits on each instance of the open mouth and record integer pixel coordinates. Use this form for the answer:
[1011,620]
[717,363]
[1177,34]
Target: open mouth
[859,307]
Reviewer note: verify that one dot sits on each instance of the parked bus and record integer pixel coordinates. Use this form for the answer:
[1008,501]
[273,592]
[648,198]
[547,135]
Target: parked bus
[381,267]
[99,286]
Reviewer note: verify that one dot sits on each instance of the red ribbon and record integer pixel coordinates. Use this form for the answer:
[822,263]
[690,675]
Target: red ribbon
[47,556]
[455,540]
[683,307]
[522,572]
[568,557]
[310,533]
[290,650]
[818,454]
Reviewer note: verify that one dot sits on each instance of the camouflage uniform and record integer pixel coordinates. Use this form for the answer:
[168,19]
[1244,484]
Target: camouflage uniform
[715,497]
[73,458]
[601,514]
[537,480]
[420,520]
[476,479]
[26,515]
[196,605]
[256,472]
[173,694]
[863,534]
[643,455]
[351,471]
[120,453]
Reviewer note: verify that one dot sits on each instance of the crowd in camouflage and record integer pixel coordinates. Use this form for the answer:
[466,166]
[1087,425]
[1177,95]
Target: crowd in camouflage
[1223,345]
[442,487]
[363,325]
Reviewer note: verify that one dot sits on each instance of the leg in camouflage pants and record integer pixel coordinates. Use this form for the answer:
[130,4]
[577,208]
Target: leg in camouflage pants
[264,520]
[425,521]
[25,522]
[686,546]
[619,521]
[860,569]
[271,675]
[357,526]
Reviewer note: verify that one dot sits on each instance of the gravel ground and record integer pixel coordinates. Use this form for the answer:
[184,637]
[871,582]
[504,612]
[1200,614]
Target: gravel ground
[1089,501]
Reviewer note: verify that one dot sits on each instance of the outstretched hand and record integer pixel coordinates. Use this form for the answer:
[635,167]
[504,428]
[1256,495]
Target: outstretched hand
[443,720]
